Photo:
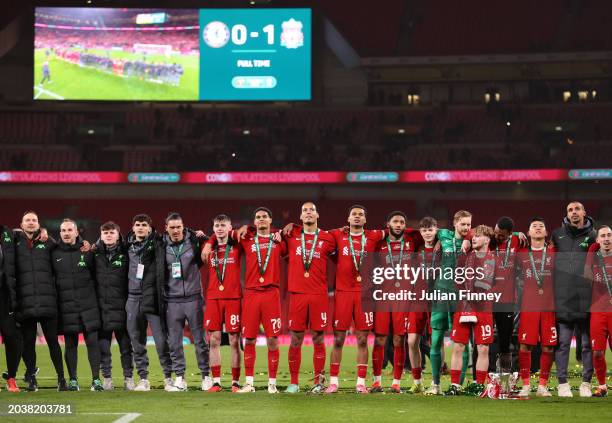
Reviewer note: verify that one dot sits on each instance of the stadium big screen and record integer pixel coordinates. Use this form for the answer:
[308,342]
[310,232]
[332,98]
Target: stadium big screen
[172,54]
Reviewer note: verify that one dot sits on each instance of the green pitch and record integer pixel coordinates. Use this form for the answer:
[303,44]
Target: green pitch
[196,406]
[72,82]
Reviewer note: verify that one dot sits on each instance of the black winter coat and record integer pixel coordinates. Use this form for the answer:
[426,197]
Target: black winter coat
[36,293]
[8,282]
[76,290]
[572,291]
[111,274]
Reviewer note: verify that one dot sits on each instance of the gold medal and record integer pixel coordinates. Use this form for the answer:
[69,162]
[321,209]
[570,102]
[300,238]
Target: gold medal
[221,287]
[540,291]
[306,274]
[261,279]
[359,278]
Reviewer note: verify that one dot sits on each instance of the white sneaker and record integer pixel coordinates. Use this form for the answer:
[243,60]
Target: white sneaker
[246,389]
[564,390]
[107,384]
[169,385]
[525,391]
[180,384]
[272,388]
[543,391]
[434,390]
[585,390]
[207,383]
[128,384]
[143,386]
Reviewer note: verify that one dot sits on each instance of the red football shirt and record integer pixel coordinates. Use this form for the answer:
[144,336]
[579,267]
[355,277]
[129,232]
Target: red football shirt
[316,282]
[504,269]
[231,279]
[346,274]
[531,299]
[600,300]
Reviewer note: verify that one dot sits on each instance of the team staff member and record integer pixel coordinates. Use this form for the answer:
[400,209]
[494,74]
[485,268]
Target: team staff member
[111,271]
[179,291]
[36,297]
[141,311]
[8,302]
[78,305]
[573,294]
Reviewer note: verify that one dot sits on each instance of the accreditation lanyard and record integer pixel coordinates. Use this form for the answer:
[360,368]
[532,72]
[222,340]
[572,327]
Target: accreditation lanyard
[176,266]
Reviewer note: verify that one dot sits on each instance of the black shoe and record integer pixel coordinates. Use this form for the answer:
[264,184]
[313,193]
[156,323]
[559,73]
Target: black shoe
[26,377]
[32,384]
[62,385]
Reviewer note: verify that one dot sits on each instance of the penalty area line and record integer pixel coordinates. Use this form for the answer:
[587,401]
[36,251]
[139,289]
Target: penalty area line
[49,93]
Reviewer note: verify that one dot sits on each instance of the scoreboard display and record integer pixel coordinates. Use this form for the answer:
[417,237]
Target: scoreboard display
[172,54]
[255,55]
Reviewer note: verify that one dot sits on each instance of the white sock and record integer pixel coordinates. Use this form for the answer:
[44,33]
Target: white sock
[249,380]
[217,380]
[178,379]
[418,382]
[333,380]
[378,379]
[272,381]
[234,382]
[396,382]
[360,381]
[603,387]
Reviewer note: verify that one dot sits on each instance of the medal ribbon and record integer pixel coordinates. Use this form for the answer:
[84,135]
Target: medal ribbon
[308,261]
[363,242]
[262,269]
[533,267]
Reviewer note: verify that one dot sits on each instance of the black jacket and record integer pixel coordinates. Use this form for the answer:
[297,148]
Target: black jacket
[572,291]
[111,272]
[162,270]
[147,253]
[76,290]
[36,293]
[8,282]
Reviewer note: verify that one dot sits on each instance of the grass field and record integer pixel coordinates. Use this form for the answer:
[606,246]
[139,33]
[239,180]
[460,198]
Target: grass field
[161,406]
[72,82]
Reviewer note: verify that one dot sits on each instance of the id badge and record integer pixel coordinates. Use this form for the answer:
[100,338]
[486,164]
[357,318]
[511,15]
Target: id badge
[176,270]
[140,271]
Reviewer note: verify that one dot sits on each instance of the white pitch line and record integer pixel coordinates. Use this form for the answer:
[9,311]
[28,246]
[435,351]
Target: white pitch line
[125,417]
[49,93]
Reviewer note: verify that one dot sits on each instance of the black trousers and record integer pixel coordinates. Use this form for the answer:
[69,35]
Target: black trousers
[11,335]
[49,327]
[125,347]
[93,353]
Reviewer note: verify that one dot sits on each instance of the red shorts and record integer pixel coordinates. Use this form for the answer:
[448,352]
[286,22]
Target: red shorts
[347,308]
[537,326]
[384,319]
[417,320]
[261,307]
[601,330]
[221,311]
[305,309]
[483,329]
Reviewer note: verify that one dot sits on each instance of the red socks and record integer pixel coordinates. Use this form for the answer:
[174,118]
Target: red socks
[399,356]
[416,373]
[481,376]
[249,359]
[235,374]
[272,363]
[334,369]
[599,363]
[455,376]
[362,370]
[378,354]
[546,360]
[295,360]
[318,360]
[525,366]
[216,371]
